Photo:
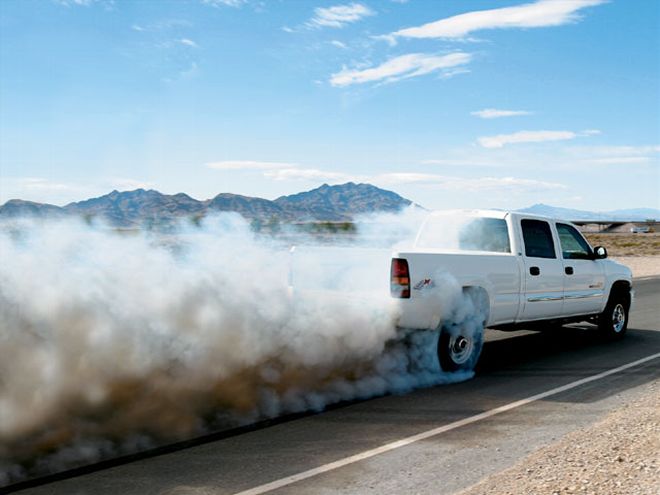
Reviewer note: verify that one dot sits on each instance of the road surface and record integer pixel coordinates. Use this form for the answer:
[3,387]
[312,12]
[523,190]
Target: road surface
[531,389]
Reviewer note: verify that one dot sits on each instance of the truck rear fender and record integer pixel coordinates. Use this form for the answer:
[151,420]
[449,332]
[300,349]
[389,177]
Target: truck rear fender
[480,298]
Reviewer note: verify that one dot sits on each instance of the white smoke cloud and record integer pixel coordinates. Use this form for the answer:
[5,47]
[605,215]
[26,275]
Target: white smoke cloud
[114,342]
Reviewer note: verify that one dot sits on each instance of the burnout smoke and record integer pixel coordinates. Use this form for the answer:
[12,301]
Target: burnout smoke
[112,342]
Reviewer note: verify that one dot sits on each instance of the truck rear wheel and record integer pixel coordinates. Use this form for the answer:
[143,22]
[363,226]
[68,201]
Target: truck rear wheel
[613,321]
[459,348]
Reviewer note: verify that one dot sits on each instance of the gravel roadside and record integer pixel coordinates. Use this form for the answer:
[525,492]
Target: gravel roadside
[620,455]
[641,266]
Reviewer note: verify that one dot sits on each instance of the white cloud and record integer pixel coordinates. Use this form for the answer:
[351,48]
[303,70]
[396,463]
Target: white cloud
[308,174]
[338,44]
[409,178]
[542,13]
[68,3]
[288,172]
[126,184]
[189,72]
[528,137]
[399,178]
[107,5]
[162,25]
[249,165]
[467,184]
[282,171]
[51,191]
[621,150]
[559,155]
[224,3]
[401,67]
[449,73]
[494,113]
[40,184]
[339,15]
[614,155]
[459,162]
[188,42]
[619,160]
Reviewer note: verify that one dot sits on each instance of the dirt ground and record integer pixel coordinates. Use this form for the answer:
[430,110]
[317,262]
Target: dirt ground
[641,266]
[618,456]
[641,252]
[627,244]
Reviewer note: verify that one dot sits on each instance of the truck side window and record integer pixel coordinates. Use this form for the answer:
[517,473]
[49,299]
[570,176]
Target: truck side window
[538,239]
[485,234]
[573,245]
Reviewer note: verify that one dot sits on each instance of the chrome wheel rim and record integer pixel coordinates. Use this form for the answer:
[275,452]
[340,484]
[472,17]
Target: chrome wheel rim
[460,348]
[618,318]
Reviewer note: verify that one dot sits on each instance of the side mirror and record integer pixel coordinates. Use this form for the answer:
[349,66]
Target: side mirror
[600,253]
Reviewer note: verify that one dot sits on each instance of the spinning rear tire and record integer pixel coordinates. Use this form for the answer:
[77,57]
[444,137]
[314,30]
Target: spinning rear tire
[459,349]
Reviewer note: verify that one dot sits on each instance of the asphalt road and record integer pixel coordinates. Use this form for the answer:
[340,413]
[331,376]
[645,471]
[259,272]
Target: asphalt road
[514,366]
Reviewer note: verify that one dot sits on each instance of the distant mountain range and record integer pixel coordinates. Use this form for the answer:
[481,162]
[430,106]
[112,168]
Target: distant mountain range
[148,207]
[326,203]
[633,214]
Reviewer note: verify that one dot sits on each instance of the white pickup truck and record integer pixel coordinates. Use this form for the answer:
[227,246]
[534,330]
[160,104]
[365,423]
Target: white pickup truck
[526,270]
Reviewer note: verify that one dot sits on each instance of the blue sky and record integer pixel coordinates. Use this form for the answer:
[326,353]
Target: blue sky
[461,103]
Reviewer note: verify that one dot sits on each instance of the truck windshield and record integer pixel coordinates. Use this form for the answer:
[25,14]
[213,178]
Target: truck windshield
[467,234]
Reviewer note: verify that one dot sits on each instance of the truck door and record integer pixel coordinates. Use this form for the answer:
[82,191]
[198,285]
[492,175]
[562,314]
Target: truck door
[584,278]
[544,272]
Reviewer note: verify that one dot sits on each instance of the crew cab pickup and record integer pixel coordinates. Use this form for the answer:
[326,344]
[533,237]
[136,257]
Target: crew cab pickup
[528,271]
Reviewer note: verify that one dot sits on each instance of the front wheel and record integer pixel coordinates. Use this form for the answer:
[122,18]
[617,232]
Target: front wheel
[613,321]
[459,347]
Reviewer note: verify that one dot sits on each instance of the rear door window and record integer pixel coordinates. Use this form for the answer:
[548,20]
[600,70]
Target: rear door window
[485,234]
[537,237]
[466,233]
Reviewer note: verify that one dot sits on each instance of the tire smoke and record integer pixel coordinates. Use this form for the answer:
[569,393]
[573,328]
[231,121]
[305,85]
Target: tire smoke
[113,342]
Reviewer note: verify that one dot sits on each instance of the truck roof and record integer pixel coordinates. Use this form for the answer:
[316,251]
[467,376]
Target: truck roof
[492,214]
[470,213]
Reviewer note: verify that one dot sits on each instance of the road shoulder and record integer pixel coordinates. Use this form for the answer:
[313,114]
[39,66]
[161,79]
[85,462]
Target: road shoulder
[618,455]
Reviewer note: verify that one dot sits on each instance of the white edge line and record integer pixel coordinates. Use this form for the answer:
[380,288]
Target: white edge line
[274,485]
[645,278]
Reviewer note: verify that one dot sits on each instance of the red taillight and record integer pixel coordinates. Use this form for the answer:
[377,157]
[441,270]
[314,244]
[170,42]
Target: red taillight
[400,279]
